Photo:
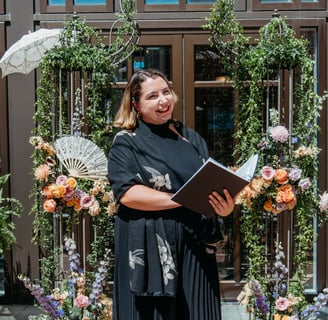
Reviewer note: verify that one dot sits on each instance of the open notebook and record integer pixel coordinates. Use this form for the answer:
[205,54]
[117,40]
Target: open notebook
[211,176]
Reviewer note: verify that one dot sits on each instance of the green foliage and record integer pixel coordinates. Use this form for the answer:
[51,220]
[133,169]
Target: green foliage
[8,207]
[250,64]
[83,57]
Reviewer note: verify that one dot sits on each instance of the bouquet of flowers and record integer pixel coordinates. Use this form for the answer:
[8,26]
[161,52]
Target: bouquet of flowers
[75,300]
[285,183]
[273,300]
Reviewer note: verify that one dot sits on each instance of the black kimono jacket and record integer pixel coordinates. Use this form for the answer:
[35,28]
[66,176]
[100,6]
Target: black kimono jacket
[161,253]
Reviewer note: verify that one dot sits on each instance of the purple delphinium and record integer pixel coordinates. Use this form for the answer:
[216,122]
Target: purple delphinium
[73,256]
[99,282]
[312,310]
[46,302]
[260,299]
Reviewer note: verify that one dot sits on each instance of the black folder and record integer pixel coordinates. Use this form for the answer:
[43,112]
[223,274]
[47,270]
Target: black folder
[213,176]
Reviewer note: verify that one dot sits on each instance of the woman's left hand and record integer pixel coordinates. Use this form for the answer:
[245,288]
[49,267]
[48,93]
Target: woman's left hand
[222,206]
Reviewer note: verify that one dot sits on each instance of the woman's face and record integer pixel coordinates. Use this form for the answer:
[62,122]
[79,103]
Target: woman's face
[156,101]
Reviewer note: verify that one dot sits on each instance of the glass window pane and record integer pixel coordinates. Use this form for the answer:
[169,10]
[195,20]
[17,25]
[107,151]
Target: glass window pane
[207,66]
[161,1]
[89,2]
[215,122]
[121,72]
[200,1]
[56,2]
[153,57]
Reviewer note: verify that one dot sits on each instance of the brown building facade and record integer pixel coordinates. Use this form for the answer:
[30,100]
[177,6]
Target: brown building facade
[173,40]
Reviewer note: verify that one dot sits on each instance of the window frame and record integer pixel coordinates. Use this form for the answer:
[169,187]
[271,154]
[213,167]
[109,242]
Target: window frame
[70,7]
[294,5]
[181,6]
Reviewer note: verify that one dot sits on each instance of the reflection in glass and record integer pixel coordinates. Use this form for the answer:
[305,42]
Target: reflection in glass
[200,1]
[214,120]
[89,2]
[121,72]
[56,2]
[155,57]
[161,1]
[207,65]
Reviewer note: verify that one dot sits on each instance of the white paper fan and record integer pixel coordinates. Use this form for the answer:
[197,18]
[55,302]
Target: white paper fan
[81,157]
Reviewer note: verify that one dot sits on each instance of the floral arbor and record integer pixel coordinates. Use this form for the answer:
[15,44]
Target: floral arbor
[74,205]
[278,109]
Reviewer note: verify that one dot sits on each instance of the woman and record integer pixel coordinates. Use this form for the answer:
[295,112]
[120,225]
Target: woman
[162,266]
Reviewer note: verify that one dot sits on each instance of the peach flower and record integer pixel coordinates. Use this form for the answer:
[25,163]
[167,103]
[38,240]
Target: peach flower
[71,182]
[59,191]
[42,172]
[281,176]
[49,205]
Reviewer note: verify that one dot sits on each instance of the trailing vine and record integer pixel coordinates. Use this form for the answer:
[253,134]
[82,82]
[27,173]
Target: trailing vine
[250,66]
[83,55]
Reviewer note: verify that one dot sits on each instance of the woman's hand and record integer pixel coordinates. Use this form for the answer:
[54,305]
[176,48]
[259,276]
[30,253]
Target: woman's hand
[223,207]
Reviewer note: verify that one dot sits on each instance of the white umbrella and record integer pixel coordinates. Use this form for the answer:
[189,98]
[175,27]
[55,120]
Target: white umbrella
[26,54]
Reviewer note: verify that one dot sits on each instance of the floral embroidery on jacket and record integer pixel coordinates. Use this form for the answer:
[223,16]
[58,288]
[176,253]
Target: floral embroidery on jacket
[159,180]
[167,262]
[135,259]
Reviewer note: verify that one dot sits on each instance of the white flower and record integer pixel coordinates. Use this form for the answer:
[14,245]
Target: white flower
[323,204]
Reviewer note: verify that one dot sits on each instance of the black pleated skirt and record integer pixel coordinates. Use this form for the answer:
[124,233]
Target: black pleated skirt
[197,292]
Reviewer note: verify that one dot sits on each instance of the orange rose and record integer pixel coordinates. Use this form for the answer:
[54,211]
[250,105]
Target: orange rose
[47,192]
[49,205]
[289,196]
[281,176]
[71,182]
[59,191]
[291,205]
[268,205]
[277,317]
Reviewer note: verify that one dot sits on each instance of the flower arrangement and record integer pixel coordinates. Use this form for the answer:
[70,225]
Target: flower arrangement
[273,300]
[76,300]
[66,200]
[283,202]
[285,184]
[279,185]
[62,194]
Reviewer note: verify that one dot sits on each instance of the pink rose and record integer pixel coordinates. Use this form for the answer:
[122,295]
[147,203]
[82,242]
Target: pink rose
[81,301]
[282,304]
[61,180]
[267,173]
[87,201]
[279,133]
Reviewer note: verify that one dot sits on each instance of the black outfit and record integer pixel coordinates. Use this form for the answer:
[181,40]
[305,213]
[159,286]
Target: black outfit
[162,269]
